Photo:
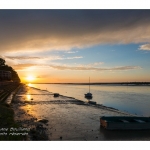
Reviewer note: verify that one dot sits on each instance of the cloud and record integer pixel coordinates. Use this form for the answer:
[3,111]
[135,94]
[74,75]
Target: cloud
[79,67]
[23,66]
[75,57]
[21,57]
[41,30]
[122,68]
[96,64]
[63,58]
[54,57]
[145,47]
[71,52]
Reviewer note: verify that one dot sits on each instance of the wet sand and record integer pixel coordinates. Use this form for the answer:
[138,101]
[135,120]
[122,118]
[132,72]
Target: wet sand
[66,119]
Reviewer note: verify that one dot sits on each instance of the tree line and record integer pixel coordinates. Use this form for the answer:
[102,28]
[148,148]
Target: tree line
[5,67]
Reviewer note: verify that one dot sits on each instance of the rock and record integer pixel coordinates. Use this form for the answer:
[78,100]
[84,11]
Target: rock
[43,121]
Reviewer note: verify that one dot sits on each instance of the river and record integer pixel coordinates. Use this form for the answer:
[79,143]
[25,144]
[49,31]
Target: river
[131,99]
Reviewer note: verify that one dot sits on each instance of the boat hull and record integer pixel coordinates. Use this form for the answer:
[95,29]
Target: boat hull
[125,123]
[88,95]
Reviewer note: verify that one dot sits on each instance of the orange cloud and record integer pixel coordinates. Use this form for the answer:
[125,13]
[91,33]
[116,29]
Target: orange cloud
[23,66]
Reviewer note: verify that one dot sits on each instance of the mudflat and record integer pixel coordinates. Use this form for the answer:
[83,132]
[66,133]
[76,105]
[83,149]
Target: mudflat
[66,119]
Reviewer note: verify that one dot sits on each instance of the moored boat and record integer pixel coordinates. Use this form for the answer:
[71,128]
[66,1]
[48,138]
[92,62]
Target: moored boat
[56,94]
[125,123]
[88,95]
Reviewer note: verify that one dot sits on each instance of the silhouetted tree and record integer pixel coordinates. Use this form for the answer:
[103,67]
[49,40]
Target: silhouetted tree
[14,74]
[2,62]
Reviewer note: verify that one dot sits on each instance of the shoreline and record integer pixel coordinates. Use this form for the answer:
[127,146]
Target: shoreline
[40,126]
[113,84]
[96,105]
[63,118]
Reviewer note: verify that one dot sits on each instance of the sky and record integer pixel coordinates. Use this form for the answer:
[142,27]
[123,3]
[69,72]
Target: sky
[69,46]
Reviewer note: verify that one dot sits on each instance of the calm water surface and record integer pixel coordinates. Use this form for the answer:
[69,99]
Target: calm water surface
[132,99]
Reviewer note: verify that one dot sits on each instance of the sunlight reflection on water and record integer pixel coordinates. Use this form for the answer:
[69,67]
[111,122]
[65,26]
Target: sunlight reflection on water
[29,84]
[28,97]
[132,99]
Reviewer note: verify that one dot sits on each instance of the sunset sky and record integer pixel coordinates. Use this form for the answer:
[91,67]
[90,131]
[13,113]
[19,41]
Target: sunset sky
[71,45]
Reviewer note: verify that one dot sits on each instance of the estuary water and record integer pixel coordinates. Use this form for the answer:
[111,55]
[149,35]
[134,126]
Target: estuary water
[131,99]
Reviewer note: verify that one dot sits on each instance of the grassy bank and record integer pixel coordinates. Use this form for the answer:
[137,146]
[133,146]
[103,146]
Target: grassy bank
[8,127]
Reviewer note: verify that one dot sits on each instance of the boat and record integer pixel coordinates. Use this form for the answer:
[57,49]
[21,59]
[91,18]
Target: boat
[88,95]
[92,102]
[125,123]
[56,94]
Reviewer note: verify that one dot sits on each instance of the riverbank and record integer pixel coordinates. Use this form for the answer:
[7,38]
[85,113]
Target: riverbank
[7,122]
[65,118]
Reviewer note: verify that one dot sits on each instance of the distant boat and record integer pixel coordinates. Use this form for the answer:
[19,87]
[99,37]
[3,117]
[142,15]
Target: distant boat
[56,94]
[88,95]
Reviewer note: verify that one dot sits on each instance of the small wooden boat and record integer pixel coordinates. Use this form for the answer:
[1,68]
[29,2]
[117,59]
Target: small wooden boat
[125,123]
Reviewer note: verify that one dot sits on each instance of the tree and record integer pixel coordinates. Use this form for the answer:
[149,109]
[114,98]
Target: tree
[4,67]
[2,62]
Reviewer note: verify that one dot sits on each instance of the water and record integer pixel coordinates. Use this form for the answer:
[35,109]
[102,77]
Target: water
[131,99]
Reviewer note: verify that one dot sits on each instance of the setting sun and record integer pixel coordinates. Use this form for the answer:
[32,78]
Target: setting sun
[30,78]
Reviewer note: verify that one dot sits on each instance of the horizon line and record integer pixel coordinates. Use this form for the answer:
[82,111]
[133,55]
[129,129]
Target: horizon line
[142,82]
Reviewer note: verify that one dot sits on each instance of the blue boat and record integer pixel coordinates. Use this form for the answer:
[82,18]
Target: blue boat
[125,123]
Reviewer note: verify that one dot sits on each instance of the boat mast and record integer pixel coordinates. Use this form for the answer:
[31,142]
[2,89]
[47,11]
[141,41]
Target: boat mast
[89,84]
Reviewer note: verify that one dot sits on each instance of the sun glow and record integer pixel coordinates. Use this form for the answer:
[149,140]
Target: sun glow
[30,78]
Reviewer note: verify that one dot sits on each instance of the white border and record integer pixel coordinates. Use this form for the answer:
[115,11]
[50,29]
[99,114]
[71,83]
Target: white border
[71,145]
[74,4]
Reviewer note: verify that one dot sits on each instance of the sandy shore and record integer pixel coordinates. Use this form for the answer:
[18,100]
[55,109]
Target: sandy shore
[64,118]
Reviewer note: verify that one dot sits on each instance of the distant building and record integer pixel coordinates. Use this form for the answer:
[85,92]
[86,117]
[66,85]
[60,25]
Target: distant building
[5,75]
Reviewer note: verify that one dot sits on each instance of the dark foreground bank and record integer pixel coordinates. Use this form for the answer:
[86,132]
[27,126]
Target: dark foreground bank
[7,122]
